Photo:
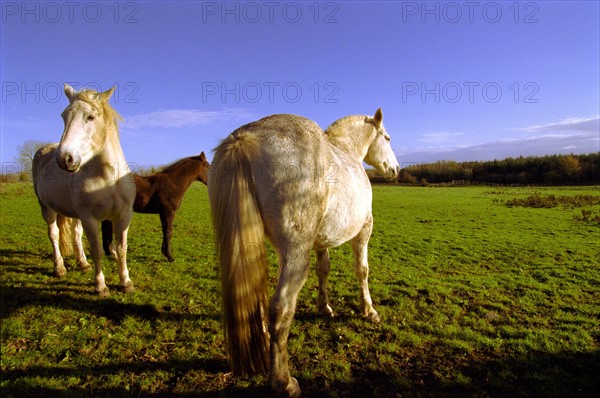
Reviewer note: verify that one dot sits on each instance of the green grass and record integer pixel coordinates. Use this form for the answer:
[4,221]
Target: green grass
[477,298]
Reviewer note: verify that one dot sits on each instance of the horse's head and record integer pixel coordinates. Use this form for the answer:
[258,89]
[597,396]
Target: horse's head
[203,170]
[380,154]
[86,121]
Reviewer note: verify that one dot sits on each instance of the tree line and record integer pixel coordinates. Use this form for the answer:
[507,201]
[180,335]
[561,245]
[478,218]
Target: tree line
[550,169]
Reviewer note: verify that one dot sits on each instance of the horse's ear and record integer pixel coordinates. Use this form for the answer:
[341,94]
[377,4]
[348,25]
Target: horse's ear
[105,96]
[378,118]
[202,156]
[70,92]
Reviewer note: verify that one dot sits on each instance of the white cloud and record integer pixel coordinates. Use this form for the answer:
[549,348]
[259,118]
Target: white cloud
[589,124]
[439,137]
[177,118]
[571,135]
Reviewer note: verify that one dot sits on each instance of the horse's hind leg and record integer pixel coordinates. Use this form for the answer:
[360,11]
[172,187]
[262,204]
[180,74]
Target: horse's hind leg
[121,228]
[322,272]
[166,220]
[361,266]
[79,253]
[293,270]
[107,239]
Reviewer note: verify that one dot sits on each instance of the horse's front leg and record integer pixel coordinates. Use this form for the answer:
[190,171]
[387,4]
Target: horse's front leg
[361,266]
[166,219]
[54,236]
[293,270]
[121,229]
[90,227]
[322,272]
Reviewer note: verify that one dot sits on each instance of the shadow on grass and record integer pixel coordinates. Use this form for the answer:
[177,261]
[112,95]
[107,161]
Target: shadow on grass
[533,374]
[23,386]
[17,293]
[19,262]
[14,298]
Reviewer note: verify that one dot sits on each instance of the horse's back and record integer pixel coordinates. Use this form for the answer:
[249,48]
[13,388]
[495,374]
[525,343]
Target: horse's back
[286,156]
[289,134]
[41,160]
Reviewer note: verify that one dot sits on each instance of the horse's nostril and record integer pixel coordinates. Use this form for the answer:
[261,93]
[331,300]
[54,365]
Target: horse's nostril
[69,162]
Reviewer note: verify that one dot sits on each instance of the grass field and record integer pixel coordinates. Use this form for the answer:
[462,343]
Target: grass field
[477,298]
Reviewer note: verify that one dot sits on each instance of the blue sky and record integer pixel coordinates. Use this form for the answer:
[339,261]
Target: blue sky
[472,80]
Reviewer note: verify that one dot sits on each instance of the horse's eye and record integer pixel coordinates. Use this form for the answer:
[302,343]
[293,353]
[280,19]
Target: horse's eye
[90,118]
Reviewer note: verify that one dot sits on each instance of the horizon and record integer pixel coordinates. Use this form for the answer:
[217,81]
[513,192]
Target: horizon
[457,81]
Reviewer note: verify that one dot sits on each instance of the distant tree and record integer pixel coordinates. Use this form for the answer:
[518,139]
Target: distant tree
[406,177]
[549,169]
[570,166]
[25,153]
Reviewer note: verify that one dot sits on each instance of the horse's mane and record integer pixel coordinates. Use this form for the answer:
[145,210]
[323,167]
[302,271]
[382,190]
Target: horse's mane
[90,97]
[179,163]
[339,128]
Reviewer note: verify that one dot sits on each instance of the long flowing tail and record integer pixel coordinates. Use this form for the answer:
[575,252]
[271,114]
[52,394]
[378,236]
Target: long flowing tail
[239,241]
[66,234]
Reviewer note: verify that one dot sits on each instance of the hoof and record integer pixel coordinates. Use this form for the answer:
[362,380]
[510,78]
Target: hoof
[60,271]
[167,254]
[128,288]
[326,311]
[104,292]
[292,390]
[373,316]
[85,266]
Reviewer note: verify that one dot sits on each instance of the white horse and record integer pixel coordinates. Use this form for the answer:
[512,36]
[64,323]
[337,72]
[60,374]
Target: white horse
[304,188]
[84,180]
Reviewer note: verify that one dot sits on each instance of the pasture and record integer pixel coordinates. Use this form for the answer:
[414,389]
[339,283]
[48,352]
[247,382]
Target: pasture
[477,298]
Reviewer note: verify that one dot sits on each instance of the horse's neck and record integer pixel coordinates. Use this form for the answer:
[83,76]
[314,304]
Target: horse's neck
[112,153]
[355,144]
[183,176]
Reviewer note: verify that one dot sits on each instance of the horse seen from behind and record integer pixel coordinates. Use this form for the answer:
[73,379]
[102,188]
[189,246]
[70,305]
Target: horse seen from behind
[83,180]
[162,193]
[284,177]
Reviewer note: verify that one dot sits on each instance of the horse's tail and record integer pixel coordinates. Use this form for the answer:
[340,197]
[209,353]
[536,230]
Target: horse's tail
[239,241]
[66,233]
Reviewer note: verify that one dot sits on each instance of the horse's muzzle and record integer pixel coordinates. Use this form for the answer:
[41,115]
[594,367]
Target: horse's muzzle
[68,161]
[394,173]
[391,173]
